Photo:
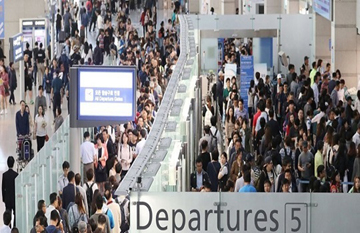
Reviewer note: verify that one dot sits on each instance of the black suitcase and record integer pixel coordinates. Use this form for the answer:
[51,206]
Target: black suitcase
[62,36]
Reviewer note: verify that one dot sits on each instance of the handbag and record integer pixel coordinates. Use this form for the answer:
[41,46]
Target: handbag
[46,138]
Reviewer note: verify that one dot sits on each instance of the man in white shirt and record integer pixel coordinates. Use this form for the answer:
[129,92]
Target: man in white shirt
[7,221]
[141,143]
[54,203]
[99,21]
[88,154]
[115,210]
[316,89]
[63,180]
[356,137]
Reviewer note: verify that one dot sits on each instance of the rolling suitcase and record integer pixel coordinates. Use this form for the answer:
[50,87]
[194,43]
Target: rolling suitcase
[62,36]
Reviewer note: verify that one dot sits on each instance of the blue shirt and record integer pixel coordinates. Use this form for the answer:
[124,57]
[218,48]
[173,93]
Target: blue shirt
[199,180]
[52,229]
[57,85]
[22,123]
[247,189]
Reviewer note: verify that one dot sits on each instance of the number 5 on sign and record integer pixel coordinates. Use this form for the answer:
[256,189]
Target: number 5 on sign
[296,217]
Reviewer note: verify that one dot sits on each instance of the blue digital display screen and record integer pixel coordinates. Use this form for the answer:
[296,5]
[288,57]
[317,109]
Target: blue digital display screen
[323,8]
[106,94]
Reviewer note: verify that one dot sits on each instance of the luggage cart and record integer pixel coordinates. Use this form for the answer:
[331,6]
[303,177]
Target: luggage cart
[24,151]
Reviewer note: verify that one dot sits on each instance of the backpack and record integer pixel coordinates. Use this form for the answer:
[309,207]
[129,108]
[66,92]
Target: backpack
[89,194]
[125,226]
[330,168]
[213,141]
[74,227]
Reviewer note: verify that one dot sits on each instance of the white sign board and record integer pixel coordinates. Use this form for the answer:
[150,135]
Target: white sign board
[244,212]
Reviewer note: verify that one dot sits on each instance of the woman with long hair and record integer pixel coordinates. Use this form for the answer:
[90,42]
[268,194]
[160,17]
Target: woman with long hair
[124,154]
[356,187]
[100,163]
[77,211]
[229,124]
[40,128]
[320,130]
[356,167]
[4,89]
[335,184]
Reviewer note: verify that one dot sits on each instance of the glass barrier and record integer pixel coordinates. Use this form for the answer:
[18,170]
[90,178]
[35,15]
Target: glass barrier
[39,178]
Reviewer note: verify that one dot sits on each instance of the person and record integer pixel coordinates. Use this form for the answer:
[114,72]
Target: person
[101,225]
[219,91]
[356,137]
[321,173]
[205,155]
[124,154]
[63,181]
[98,215]
[41,211]
[83,226]
[58,120]
[40,60]
[198,177]
[77,212]
[40,100]
[213,169]
[12,83]
[247,188]
[318,160]
[40,128]
[356,187]
[115,210]
[90,187]
[224,171]
[47,81]
[70,191]
[335,185]
[58,24]
[7,222]
[54,223]
[64,218]
[8,185]
[141,143]
[39,225]
[4,89]
[229,124]
[88,154]
[28,76]
[100,162]
[356,166]
[334,94]
[54,203]
[305,163]
[56,87]
[82,191]
[285,187]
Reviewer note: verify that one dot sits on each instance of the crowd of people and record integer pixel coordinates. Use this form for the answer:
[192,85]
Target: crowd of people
[298,134]
[89,203]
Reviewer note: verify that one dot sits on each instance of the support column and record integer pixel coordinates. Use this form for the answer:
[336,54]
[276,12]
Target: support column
[75,154]
[322,40]
[345,50]
[293,7]
[228,7]
[194,6]
[272,7]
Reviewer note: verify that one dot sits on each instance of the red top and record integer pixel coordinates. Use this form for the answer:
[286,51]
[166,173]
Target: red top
[256,116]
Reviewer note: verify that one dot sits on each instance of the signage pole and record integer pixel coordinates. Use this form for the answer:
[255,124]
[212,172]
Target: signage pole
[52,42]
[21,80]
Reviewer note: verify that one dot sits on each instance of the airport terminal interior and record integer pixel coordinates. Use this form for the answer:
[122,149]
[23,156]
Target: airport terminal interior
[179,115]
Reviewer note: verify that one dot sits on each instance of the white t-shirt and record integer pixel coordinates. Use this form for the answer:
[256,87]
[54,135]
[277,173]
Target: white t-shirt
[88,152]
[140,145]
[94,187]
[5,229]
[40,130]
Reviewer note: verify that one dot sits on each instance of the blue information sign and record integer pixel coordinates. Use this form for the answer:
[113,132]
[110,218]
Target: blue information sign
[246,75]
[106,94]
[16,47]
[2,19]
[323,8]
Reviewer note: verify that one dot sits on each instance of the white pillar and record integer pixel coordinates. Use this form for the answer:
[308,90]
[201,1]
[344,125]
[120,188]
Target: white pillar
[75,142]
[272,6]
[293,7]
[344,38]
[228,7]
[322,33]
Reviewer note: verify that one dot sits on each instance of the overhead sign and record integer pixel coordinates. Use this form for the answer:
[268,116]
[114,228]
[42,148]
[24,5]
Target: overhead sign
[246,75]
[323,8]
[102,95]
[242,212]
[16,47]
[2,19]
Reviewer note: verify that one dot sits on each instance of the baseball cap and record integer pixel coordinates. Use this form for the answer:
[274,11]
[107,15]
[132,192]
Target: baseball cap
[279,76]
[221,73]
[82,226]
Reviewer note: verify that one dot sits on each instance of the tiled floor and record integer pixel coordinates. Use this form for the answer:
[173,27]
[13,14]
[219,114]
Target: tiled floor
[7,122]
